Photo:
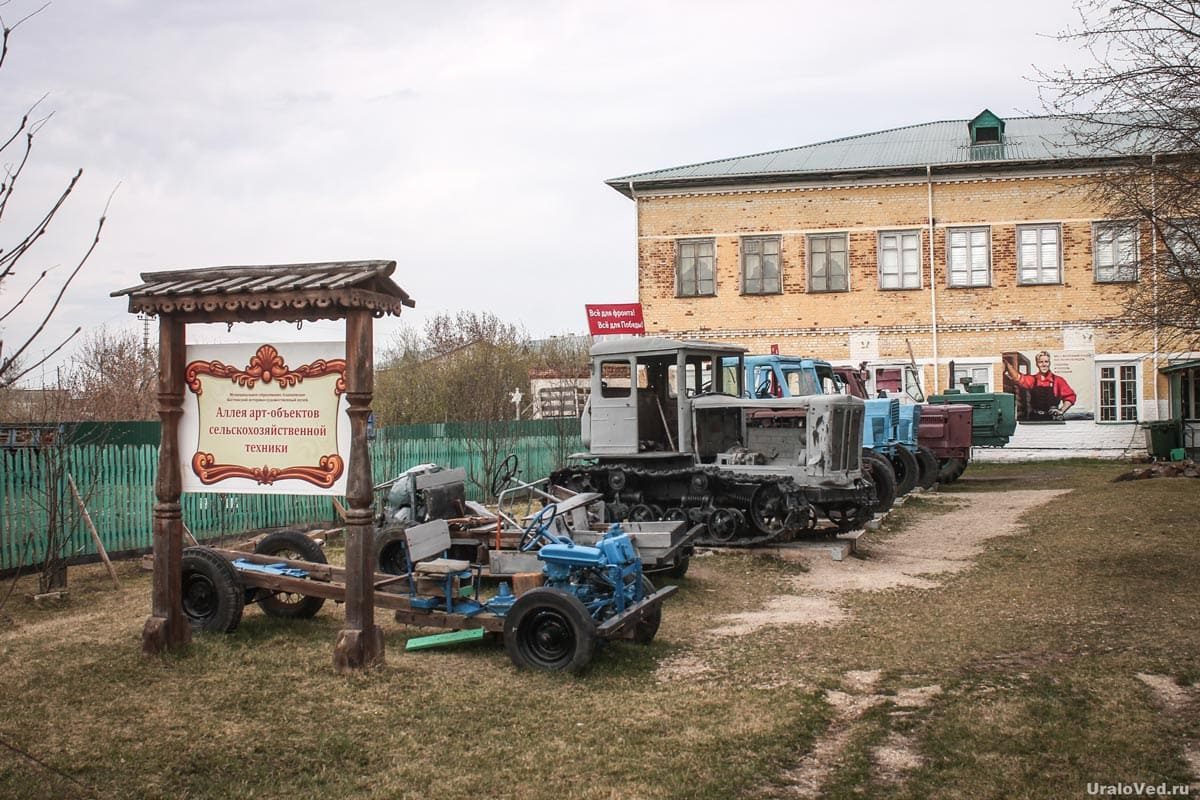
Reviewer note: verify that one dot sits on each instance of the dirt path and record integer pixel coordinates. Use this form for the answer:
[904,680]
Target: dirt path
[918,556]
[921,555]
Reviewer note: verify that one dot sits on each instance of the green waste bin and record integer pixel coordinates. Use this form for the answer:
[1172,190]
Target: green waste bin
[1162,436]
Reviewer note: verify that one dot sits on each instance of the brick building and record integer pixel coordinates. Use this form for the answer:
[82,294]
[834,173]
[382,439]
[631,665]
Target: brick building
[963,245]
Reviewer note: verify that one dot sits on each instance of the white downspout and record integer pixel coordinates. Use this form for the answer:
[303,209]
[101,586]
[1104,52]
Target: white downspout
[1154,263]
[932,283]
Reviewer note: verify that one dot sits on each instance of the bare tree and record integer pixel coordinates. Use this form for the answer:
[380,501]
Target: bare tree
[463,368]
[1138,103]
[112,377]
[17,360]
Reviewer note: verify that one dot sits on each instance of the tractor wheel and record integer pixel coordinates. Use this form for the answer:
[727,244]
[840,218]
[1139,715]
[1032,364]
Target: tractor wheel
[927,464]
[549,629]
[213,598]
[949,469]
[906,467]
[883,477]
[644,631]
[389,550]
[294,546]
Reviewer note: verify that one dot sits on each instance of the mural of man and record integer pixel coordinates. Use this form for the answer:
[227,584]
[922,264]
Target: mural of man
[1050,396]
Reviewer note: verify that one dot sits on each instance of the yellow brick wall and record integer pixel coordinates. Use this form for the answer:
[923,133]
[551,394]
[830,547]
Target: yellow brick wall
[972,321]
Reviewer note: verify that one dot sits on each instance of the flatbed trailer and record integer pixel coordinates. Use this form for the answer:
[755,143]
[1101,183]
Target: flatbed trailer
[550,627]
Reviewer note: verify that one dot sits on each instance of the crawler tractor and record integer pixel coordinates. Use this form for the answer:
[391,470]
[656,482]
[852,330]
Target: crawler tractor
[670,436]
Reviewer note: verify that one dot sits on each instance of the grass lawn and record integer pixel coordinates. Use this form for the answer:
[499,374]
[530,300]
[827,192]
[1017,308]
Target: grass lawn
[1062,656]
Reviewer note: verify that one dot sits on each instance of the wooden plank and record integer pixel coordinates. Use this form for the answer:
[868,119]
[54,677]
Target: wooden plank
[430,539]
[87,518]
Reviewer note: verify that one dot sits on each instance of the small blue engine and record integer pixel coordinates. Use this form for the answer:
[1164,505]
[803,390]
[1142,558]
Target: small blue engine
[605,577]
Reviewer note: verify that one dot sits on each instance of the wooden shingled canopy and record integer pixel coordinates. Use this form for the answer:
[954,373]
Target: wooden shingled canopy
[357,291]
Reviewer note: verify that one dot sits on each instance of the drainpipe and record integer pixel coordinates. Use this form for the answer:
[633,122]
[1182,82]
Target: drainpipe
[932,282]
[1154,263]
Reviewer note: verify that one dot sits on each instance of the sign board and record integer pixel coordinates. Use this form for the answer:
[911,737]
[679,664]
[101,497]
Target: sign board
[265,418]
[614,318]
[1042,380]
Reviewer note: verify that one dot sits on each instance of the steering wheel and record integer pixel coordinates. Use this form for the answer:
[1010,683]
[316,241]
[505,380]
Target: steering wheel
[504,473]
[537,528]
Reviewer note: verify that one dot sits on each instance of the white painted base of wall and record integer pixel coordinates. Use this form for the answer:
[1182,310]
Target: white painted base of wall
[1073,439]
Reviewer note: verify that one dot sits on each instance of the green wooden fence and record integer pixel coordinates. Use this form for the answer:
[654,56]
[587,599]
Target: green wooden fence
[116,481]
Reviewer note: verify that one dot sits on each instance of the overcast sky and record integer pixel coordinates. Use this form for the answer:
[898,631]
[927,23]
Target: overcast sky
[469,141]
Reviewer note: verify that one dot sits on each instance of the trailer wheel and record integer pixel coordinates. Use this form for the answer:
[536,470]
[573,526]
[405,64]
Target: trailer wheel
[950,469]
[884,478]
[680,567]
[389,550]
[549,629]
[212,594]
[906,467]
[294,546]
[644,631]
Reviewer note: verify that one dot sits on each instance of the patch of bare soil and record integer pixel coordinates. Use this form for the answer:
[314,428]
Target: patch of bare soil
[1182,702]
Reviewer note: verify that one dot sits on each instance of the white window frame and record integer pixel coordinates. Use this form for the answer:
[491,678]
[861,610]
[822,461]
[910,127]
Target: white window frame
[1118,378]
[1121,240]
[973,368]
[1039,263]
[762,257]
[697,289]
[828,237]
[968,276]
[905,276]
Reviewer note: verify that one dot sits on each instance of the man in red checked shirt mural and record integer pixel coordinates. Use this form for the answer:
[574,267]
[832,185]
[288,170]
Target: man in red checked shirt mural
[1050,397]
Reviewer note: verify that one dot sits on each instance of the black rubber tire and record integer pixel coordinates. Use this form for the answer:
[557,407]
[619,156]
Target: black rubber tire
[906,467]
[927,465]
[548,629]
[212,594]
[680,567]
[884,479]
[951,469]
[389,549]
[294,546]
[644,631]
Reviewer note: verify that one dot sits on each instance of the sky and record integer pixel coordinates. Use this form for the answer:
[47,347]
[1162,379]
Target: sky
[468,141]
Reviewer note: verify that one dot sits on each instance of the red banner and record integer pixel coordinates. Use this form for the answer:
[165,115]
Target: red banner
[612,318]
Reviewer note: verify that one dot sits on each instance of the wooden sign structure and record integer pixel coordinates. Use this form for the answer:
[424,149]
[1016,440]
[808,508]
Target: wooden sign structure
[356,291]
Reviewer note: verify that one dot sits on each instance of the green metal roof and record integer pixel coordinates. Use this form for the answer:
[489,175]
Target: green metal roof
[1179,366]
[947,144]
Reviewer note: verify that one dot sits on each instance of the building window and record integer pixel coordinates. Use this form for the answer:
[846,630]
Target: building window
[1115,251]
[1182,258]
[979,374]
[827,263]
[969,256]
[900,260]
[1039,258]
[695,267]
[760,265]
[1118,393]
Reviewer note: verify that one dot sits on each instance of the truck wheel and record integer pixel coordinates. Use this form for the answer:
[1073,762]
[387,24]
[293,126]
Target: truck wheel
[294,546]
[906,467]
[212,594]
[883,477]
[549,629]
[644,631]
[949,469]
[927,464]
[389,550]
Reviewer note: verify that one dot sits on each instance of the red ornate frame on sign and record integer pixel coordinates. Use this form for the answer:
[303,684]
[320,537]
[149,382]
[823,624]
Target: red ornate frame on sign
[267,366]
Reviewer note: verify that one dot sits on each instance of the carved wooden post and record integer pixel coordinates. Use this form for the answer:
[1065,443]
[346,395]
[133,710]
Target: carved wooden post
[360,643]
[167,628]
